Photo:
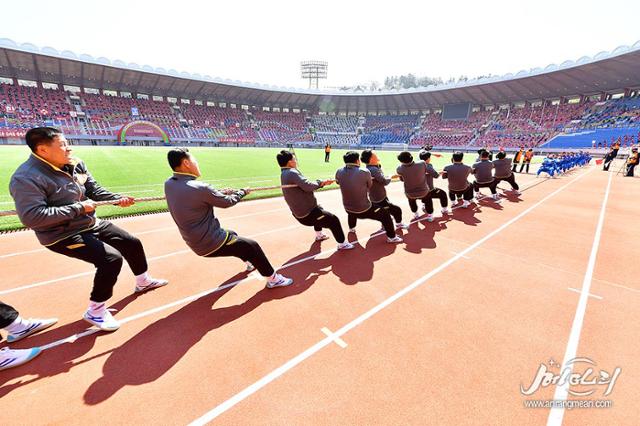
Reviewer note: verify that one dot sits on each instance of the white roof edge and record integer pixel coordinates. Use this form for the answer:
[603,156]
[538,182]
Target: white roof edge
[102,61]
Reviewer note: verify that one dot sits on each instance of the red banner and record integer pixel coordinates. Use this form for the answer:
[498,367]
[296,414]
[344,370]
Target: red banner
[236,140]
[12,133]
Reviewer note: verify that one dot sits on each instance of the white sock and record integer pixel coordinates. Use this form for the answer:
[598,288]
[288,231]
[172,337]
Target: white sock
[319,234]
[17,325]
[97,308]
[142,278]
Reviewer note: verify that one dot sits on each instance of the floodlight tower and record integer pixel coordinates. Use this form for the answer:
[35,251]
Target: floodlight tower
[314,71]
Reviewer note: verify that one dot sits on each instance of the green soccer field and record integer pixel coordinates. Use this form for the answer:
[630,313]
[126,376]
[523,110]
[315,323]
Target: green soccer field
[141,171]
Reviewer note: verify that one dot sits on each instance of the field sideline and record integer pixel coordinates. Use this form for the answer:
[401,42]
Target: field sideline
[141,171]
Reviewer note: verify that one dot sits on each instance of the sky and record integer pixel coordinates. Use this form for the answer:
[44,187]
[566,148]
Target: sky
[363,41]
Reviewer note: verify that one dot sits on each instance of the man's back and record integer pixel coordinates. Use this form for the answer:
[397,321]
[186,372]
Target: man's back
[354,185]
[457,174]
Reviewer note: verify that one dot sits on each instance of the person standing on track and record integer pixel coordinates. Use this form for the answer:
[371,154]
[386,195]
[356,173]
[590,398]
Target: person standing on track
[414,176]
[457,174]
[518,158]
[327,152]
[354,185]
[377,192]
[528,156]
[611,155]
[434,192]
[632,162]
[303,203]
[502,166]
[191,205]
[18,328]
[54,195]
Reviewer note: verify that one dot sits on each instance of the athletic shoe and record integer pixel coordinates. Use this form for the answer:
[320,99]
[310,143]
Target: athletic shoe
[10,358]
[424,209]
[345,246]
[352,230]
[150,284]
[34,326]
[402,226]
[416,216]
[446,210]
[321,236]
[496,197]
[429,218]
[477,194]
[250,267]
[105,322]
[465,204]
[394,240]
[279,281]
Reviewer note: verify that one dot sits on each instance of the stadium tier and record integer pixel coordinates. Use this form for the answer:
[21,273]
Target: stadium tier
[102,116]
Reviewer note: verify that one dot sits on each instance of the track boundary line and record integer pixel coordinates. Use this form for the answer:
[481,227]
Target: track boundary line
[273,375]
[556,413]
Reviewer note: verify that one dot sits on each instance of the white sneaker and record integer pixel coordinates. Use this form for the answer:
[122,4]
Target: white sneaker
[429,218]
[394,240]
[10,358]
[33,325]
[416,216]
[477,194]
[446,210]
[250,267]
[465,204]
[279,281]
[345,246]
[402,226]
[424,209]
[149,284]
[517,192]
[352,230]
[496,197]
[321,236]
[105,322]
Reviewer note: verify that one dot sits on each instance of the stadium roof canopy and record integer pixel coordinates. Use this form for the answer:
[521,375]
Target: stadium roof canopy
[606,72]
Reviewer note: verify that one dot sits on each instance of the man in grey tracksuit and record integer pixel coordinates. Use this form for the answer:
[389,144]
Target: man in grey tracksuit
[414,176]
[54,195]
[503,171]
[434,192]
[378,192]
[483,172]
[457,174]
[354,186]
[191,205]
[303,203]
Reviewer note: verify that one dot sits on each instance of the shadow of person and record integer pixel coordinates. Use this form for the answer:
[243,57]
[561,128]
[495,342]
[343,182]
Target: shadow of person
[59,359]
[169,340]
[356,265]
[490,203]
[511,197]
[466,216]
[421,235]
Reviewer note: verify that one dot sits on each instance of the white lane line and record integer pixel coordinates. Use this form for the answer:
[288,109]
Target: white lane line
[151,231]
[455,252]
[562,389]
[151,259]
[575,290]
[251,389]
[338,341]
[635,290]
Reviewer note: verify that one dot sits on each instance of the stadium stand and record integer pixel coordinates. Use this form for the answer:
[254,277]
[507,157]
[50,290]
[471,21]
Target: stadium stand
[97,115]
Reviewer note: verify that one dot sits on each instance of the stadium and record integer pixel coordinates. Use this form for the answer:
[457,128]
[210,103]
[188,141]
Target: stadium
[516,306]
